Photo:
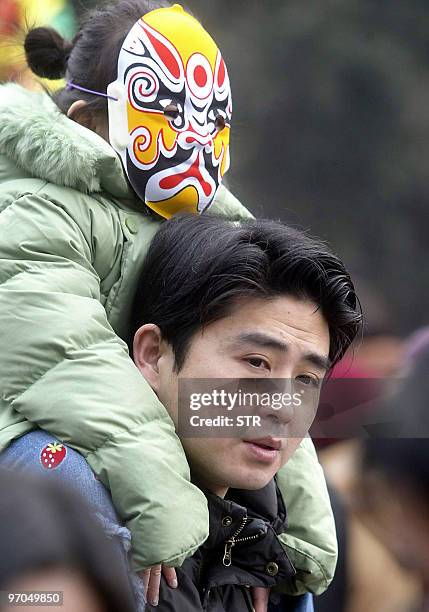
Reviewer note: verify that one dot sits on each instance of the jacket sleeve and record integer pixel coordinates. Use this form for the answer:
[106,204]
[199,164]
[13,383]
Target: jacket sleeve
[310,540]
[227,205]
[63,368]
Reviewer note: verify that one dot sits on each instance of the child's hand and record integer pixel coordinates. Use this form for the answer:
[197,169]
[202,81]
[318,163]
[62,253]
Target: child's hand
[260,596]
[152,579]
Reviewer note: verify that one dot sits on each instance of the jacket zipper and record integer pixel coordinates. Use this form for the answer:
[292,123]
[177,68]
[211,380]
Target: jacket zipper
[227,556]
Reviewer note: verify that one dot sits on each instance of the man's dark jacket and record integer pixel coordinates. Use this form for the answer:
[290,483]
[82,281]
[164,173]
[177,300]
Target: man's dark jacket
[242,551]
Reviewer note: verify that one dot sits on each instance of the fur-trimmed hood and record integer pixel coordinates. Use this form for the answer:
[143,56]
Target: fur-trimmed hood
[42,141]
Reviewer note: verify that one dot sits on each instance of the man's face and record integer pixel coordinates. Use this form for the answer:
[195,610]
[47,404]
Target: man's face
[284,338]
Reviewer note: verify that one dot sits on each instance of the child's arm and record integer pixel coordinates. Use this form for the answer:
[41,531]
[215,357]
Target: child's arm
[63,368]
[310,539]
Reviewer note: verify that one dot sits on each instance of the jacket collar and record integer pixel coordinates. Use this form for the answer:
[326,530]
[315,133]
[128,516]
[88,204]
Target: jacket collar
[243,540]
[256,511]
[41,140]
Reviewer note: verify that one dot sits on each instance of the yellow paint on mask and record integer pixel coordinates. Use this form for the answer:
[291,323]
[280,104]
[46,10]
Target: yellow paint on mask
[188,34]
[185,201]
[156,123]
[221,139]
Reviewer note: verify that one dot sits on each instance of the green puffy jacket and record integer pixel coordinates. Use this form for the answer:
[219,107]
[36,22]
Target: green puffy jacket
[72,240]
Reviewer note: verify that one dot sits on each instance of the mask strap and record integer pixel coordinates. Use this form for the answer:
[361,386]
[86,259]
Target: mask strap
[71,85]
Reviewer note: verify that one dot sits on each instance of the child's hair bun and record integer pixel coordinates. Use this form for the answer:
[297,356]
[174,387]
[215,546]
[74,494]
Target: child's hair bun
[47,52]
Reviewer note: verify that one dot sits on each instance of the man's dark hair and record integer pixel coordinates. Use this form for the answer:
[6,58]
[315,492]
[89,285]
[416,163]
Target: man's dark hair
[198,267]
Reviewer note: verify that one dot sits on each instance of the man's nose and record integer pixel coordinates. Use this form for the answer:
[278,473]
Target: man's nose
[274,405]
[279,415]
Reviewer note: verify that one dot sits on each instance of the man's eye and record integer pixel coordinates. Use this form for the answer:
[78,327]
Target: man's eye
[258,362]
[171,111]
[306,379]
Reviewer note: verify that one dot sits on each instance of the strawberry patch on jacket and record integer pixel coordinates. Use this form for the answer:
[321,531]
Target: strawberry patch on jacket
[52,455]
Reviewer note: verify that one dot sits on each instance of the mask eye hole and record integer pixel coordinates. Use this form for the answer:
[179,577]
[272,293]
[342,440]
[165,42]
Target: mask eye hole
[219,122]
[171,111]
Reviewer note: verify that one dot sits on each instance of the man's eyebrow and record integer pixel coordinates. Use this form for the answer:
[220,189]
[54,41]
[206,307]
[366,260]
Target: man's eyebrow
[320,361]
[266,341]
[263,340]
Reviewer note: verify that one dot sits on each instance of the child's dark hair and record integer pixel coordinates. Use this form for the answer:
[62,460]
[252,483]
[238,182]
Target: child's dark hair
[90,59]
[45,526]
[198,267]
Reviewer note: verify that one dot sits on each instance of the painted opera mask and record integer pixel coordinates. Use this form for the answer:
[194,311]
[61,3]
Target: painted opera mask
[170,119]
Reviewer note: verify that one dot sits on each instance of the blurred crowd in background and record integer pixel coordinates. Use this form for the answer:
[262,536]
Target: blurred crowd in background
[331,132]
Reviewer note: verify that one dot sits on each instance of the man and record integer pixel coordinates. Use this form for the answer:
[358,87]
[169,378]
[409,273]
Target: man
[218,299]
[251,300]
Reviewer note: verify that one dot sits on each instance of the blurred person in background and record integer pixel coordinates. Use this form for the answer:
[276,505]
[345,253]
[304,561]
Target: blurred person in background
[395,473]
[16,16]
[49,541]
[382,552]
[354,391]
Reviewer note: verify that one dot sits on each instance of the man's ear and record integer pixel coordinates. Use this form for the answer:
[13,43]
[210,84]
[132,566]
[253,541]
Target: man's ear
[147,352]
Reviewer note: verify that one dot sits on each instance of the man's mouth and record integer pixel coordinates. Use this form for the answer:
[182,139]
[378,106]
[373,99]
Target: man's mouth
[264,449]
[271,443]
